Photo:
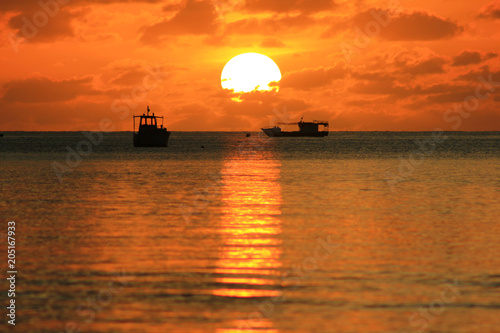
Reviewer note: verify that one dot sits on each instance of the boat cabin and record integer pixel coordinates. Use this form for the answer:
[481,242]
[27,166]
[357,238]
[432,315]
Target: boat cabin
[149,133]
[147,121]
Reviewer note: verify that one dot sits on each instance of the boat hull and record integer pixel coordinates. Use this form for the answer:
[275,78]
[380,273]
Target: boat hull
[154,138]
[277,133]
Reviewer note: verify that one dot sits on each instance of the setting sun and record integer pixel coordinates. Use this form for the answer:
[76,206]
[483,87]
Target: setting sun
[250,72]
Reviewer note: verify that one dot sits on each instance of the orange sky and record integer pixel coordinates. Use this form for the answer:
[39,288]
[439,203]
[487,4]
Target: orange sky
[68,64]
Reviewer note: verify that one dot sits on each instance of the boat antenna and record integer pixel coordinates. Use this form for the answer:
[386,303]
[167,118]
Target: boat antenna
[148,110]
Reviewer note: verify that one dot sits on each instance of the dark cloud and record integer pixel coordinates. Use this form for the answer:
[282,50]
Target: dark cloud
[371,76]
[371,120]
[451,97]
[283,6]
[45,90]
[418,62]
[39,27]
[490,11]
[490,55]
[314,77]
[69,116]
[440,88]
[196,18]
[386,87]
[55,5]
[128,78]
[429,66]
[467,57]
[136,73]
[259,109]
[419,94]
[475,74]
[48,20]
[255,110]
[441,93]
[420,26]
[270,25]
[405,26]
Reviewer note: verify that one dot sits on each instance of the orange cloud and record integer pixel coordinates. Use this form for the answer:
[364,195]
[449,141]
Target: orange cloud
[38,27]
[483,71]
[387,87]
[490,11]
[406,26]
[54,5]
[270,25]
[281,6]
[314,77]
[272,42]
[467,57]
[45,90]
[423,67]
[196,18]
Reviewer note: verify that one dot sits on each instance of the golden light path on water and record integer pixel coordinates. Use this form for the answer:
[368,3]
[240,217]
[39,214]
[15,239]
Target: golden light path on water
[250,258]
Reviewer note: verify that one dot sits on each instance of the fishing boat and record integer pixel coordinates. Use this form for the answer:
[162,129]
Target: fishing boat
[149,133]
[306,129]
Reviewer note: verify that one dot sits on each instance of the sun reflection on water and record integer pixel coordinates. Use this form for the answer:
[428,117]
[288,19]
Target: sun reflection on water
[249,261]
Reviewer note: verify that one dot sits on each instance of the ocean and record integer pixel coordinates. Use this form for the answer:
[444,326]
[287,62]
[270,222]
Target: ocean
[219,232]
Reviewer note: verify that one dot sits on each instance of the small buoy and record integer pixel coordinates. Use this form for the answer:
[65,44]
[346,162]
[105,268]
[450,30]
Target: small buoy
[202,146]
[248,135]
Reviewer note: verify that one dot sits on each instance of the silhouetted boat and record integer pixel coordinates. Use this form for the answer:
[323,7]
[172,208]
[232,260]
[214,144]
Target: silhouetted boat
[1,134]
[306,129]
[149,134]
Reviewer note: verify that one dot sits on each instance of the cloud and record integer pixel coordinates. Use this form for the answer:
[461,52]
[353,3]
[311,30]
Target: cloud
[281,6]
[474,74]
[418,61]
[451,97]
[196,18]
[441,93]
[430,66]
[48,20]
[131,77]
[272,42]
[407,26]
[314,77]
[401,80]
[467,57]
[440,88]
[46,90]
[39,27]
[381,88]
[68,116]
[270,25]
[48,5]
[490,11]
[229,115]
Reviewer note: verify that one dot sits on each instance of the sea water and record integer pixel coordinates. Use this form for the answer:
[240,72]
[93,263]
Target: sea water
[219,232]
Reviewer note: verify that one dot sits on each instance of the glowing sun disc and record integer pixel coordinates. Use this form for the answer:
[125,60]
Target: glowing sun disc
[250,72]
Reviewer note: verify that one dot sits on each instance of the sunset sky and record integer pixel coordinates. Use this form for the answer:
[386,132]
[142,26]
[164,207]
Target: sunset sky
[363,65]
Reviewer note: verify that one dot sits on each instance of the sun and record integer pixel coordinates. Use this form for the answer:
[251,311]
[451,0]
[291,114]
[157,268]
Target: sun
[249,72]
